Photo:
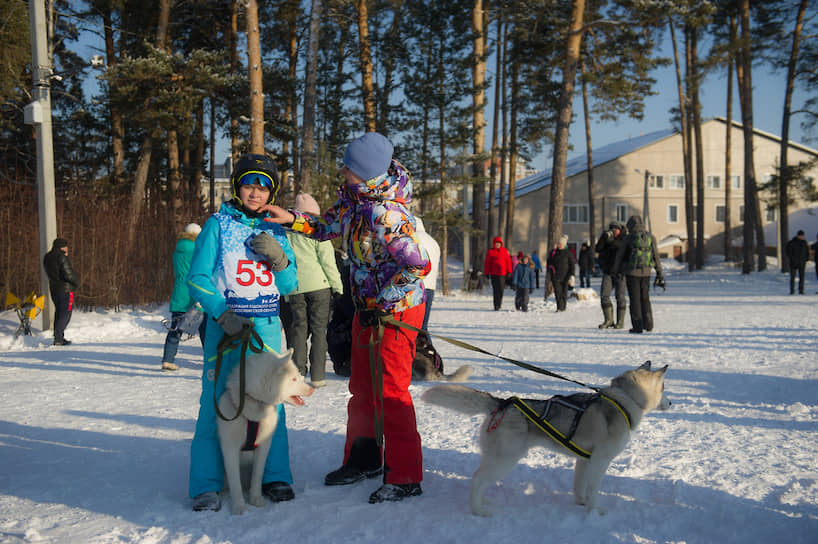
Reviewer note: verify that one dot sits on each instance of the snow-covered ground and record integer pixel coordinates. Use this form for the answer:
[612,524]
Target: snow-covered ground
[94,439]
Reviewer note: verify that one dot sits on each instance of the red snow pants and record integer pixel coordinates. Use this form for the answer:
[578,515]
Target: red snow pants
[403,461]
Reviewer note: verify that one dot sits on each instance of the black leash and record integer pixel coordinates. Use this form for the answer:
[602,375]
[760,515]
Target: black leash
[243,340]
[388,319]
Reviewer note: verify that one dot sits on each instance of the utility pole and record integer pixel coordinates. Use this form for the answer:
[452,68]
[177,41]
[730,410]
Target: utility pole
[38,113]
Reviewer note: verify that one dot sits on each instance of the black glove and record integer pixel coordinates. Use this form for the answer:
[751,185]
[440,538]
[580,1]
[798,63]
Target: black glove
[233,324]
[660,281]
[370,318]
[267,246]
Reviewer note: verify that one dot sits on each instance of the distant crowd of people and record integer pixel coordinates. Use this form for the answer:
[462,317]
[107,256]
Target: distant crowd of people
[627,259]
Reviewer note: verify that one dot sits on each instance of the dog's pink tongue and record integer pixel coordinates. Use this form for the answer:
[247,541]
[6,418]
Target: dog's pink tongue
[298,401]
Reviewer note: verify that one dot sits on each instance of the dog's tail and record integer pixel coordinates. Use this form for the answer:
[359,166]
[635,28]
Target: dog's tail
[460,375]
[461,398]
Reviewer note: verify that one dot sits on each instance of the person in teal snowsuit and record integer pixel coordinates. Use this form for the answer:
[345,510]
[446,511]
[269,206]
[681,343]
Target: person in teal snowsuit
[241,267]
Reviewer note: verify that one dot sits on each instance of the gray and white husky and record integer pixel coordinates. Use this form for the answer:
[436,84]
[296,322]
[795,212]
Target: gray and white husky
[271,379]
[593,427]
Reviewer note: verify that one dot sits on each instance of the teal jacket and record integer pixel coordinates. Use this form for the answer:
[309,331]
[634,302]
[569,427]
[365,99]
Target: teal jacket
[225,273]
[180,299]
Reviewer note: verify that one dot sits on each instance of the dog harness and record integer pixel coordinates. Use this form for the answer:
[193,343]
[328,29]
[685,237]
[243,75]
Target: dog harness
[250,443]
[578,403]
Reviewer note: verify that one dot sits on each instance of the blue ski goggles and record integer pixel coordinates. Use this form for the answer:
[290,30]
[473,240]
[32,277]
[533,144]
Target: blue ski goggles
[255,177]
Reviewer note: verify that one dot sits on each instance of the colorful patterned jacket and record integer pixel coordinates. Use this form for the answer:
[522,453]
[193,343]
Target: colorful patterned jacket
[378,234]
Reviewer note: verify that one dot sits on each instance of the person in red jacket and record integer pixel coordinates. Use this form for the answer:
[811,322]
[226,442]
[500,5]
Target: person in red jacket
[497,267]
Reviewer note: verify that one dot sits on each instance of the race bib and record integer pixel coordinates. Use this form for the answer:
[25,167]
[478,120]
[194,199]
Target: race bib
[247,282]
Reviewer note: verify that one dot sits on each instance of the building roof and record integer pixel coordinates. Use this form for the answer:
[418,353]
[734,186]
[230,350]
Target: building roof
[601,155]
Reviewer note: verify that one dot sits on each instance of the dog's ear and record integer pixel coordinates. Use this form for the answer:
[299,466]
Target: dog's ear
[663,370]
[645,366]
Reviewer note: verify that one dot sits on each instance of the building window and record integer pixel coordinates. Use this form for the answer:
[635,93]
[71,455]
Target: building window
[736,182]
[720,214]
[575,213]
[677,181]
[656,181]
[622,213]
[695,213]
[770,214]
[713,182]
[672,213]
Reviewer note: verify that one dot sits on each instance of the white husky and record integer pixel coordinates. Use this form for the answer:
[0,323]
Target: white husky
[270,380]
[593,427]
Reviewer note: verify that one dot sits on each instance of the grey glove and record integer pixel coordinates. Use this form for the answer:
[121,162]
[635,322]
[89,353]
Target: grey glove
[267,246]
[233,324]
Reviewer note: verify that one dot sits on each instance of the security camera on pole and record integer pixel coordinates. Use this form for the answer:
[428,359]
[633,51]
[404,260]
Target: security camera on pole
[38,113]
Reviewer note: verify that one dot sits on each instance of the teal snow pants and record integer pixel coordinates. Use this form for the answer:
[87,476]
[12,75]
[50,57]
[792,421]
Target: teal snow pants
[206,463]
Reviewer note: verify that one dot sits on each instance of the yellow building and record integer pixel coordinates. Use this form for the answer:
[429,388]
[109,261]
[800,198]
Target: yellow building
[621,190]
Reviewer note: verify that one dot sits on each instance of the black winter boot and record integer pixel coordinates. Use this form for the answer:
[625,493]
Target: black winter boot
[348,474]
[395,492]
[364,462]
[620,317]
[607,312]
[277,491]
[637,326]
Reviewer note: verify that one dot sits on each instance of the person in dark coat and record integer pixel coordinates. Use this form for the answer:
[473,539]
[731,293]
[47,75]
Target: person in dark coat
[586,264]
[497,266]
[637,257]
[798,255]
[535,259]
[561,263]
[62,282]
[815,256]
[612,280]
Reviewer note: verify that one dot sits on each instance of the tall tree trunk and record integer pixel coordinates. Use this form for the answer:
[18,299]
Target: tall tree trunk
[785,173]
[444,249]
[512,167]
[137,200]
[563,128]
[233,48]
[752,214]
[198,157]
[689,175]
[289,147]
[697,130]
[308,126]
[728,148]
[256,88]
[685,142]
[478,239]
[174,179]
[117,130]
[367,86]
[388,66]
[335,123]
[501,204]
[491,229]
[212,189]
[589,155]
